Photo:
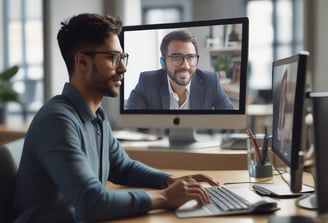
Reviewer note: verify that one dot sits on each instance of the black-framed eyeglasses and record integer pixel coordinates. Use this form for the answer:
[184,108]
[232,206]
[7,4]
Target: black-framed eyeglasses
[116,56]
[178,59]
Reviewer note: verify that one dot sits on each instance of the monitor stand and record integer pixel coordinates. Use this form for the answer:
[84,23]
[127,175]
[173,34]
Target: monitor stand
[187,138]
[308,201]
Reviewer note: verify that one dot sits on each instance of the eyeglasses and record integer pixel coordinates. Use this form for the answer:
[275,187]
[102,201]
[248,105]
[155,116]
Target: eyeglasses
[116,57]
[178,59]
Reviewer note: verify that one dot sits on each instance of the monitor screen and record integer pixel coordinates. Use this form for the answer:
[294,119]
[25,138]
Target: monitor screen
[288,93]
[184,83]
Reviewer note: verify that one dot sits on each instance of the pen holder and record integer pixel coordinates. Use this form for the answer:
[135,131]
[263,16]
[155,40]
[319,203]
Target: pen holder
[259,162]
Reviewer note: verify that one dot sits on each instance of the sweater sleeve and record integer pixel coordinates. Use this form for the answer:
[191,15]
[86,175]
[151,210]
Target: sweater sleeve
[66,172]
[125,171]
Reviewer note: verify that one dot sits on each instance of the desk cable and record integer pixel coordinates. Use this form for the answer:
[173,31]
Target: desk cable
[279,172]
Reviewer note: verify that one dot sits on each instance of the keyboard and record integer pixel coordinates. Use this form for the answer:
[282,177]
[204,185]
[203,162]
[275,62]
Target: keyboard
[227,200]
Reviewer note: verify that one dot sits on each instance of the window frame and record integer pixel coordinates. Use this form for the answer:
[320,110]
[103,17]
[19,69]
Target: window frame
[294,45]
[23,111]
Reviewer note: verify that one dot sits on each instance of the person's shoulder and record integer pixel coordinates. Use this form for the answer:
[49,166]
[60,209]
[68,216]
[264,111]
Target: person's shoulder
[206,72]
[206,75]
[54,111]
[152,72]
[57,104]
[153,75]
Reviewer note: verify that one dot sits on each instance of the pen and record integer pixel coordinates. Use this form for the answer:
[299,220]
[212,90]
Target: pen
[265,146]
[256,146]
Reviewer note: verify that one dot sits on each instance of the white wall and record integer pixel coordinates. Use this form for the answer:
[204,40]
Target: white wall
[56,12]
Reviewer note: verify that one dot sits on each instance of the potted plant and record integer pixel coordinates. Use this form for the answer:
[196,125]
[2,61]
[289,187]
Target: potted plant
[222,64]
[7,93]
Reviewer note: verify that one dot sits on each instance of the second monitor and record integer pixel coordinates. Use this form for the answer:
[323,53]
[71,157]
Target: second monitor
[288,135]
[288,141]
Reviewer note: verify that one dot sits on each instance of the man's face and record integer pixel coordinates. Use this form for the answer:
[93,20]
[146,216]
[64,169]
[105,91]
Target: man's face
[181,74]
[106,78]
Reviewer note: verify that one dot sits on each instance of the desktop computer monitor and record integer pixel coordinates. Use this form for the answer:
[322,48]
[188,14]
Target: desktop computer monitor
[222,49]
[319,199]
[320,124]
[288,94]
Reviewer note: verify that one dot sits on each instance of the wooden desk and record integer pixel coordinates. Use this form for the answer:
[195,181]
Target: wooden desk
[12,132]
[287,206]
[212,158]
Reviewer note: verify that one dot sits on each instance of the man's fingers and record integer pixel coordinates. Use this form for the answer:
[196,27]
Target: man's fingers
[194,190]
[205,179]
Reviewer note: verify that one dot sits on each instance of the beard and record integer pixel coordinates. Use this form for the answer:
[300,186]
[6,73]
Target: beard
[109,87]
[110,94]
[179,81]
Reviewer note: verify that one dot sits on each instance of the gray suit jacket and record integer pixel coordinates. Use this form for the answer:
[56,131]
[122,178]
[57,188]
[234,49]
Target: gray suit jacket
[152,92]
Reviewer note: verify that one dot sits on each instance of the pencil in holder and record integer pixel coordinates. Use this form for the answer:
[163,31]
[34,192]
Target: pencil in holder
[259,164]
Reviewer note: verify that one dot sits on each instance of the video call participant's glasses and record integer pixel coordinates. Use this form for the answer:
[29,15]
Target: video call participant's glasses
[115,56]
[178,59]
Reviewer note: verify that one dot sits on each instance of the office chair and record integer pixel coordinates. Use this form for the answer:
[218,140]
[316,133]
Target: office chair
[8,170]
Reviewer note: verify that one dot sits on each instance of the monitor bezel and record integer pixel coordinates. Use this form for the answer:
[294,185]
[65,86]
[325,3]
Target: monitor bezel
[191,118]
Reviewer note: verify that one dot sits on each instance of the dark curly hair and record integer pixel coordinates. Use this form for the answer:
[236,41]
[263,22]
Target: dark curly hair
[84,31]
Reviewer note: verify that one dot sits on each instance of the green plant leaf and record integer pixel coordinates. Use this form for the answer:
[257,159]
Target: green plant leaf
[222,62]
[9,73]
[7,93]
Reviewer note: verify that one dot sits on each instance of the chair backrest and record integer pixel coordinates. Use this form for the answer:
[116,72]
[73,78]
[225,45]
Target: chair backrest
[8,170]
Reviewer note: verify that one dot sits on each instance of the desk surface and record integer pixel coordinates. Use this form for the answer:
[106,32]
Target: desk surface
[12,132]
[287,206]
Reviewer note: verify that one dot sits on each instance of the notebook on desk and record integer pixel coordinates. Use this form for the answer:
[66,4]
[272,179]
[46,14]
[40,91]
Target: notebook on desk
[228,201]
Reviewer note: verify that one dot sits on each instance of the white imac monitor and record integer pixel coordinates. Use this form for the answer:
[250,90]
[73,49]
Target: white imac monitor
[219,60]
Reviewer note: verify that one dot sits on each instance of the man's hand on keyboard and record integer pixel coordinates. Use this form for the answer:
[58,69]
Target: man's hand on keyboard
[178,193]
[201,178]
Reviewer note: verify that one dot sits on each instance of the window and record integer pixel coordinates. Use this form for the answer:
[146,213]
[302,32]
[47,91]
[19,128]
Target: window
[276,31]
[160,15]
[154,11]
[23,41]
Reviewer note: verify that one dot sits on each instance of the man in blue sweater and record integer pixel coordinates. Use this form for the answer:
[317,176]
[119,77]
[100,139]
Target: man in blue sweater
[69,151]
